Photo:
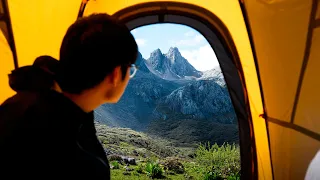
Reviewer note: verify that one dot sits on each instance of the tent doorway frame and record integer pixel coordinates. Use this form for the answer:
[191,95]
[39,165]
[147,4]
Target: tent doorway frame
[213,29]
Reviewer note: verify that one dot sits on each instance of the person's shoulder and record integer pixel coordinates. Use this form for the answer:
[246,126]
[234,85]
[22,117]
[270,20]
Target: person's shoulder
[19,102]
[25,104]
[13,110]
[313,172]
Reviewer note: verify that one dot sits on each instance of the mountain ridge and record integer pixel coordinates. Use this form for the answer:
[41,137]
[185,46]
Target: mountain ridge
[172,65]
[157,95]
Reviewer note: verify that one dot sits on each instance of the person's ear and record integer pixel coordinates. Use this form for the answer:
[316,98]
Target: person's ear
[116,76]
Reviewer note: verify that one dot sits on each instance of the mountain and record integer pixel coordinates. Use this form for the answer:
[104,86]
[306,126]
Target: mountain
[198,112]
[138,101]
[171,66]
[201,99]
[141,63]
[169,98]
[179,65]
[215,75]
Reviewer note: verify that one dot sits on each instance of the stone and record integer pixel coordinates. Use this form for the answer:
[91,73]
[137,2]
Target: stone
[130,161]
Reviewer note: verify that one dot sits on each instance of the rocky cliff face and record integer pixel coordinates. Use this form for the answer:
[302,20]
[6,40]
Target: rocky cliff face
[202,99]
[215,75]
[171,66]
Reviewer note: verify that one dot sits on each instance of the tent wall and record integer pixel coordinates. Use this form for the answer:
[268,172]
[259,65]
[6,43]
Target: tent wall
[279,33]
[286,38]
[38,28]
[6,55]
[233,20]
[6,65]
[307,114]
[292,153]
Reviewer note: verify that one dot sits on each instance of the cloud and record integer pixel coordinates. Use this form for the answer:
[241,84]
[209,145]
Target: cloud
[196,40]
[202,58]
[141,42]
[189,33]
[134,32]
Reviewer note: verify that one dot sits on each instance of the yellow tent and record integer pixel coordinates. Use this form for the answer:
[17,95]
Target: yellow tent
[273,73]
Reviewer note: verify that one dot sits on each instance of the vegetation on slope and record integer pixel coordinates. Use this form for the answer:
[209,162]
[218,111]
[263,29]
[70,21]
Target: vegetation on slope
[160,158]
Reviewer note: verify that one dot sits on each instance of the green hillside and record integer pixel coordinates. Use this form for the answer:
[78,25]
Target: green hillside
[160,158]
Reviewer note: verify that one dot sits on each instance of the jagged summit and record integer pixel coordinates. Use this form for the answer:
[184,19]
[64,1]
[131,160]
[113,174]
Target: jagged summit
[171,65]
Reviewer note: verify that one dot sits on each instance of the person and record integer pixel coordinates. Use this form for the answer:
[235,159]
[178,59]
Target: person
[313,171]
[53,135]
[37,77]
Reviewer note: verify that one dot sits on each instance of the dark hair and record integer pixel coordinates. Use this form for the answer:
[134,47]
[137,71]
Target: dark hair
[91,49]
[38,77]
[47,63]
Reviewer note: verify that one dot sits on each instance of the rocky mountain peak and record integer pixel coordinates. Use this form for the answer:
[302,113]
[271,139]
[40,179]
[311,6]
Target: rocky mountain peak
[173,54]
[171,65]
[156,52]
[141,63]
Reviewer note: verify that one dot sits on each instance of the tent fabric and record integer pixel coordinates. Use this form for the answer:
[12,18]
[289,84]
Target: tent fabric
[292,153]
[285,22]
[273,44]
[307,112]
[5,68]
[286,41]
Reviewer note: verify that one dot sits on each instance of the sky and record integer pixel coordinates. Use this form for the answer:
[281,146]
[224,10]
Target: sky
[191,44]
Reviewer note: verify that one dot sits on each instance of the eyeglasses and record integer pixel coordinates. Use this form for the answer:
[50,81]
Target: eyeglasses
[133,70]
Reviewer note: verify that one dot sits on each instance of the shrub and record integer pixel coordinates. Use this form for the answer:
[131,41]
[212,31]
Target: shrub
[140,168]
[175,166]
[235,177]
[154,170]
[223,161]
[212,176]
[115,164]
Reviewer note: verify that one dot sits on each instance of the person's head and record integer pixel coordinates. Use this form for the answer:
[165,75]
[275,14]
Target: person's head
[47,63]
[50,65]
[38,77]
[95,57]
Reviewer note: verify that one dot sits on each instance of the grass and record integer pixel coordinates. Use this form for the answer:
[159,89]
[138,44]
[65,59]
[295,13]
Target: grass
[220,162]
[212,162]
[115,164]
[204,162]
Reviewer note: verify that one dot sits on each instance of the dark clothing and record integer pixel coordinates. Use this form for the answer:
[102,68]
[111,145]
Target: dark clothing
[45,135]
